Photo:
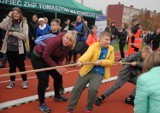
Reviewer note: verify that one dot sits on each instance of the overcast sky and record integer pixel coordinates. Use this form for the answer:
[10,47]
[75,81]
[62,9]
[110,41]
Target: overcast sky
[102,4]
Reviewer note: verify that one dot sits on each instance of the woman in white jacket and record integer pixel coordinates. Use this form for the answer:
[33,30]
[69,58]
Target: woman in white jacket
[13,45]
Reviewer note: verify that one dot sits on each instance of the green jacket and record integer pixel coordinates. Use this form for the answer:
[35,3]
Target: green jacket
[92,55]
[147,98]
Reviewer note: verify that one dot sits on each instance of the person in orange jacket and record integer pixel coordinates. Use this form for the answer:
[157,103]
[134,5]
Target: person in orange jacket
[135,37]
[92,37]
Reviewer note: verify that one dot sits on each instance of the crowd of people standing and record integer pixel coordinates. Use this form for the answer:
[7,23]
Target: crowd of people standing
[51,44]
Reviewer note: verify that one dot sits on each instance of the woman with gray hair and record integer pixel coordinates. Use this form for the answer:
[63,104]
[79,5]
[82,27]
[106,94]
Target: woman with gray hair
[43,28]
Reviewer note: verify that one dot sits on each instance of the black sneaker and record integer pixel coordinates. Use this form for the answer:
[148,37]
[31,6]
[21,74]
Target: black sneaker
[98,101]
[60,98]
[61,90]
[44,108]
[130,100]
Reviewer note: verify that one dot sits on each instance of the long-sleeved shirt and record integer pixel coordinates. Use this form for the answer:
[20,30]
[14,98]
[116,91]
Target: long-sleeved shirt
[122,36]
[32,29]
[21,35]
[147,98]
[40,32]
[92,55]
[91,39]
[54,52]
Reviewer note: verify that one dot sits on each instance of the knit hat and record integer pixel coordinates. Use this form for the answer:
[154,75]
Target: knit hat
[40,19]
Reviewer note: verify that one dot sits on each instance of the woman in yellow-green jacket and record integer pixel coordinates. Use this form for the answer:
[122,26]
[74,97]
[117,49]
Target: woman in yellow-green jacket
[102,55]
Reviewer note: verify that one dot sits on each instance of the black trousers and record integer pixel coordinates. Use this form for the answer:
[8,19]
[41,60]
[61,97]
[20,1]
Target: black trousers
[121,47]
[75,56]
[16,60]
[69,56]
[43,77]
[32,44]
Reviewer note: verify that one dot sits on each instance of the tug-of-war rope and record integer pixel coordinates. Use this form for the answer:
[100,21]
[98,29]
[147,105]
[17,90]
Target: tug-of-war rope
[25,100]
[51,68]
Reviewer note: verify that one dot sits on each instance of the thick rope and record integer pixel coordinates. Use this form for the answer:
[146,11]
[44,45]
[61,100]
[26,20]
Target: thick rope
[42,69]
[51,68]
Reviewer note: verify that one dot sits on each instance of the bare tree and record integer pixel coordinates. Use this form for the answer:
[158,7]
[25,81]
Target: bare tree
[149,21]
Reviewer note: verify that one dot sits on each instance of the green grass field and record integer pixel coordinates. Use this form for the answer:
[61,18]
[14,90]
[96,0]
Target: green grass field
[116,47]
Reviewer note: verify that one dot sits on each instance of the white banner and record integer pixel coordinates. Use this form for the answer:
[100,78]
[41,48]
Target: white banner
[101,23]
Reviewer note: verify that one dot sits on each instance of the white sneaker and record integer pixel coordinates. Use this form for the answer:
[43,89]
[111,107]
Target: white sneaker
[11,85]
[25,85]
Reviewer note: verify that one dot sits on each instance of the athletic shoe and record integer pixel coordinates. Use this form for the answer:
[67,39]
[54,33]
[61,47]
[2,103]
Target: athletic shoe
[98,101]
[11,85]
[60,98]
[130,100]
[44,108]
[25,85]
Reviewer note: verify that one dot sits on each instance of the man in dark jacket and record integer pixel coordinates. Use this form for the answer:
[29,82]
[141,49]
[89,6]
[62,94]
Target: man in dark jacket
[33,25]
[114,32]
[155,40]
[66,26]
[128,73]
[122,36]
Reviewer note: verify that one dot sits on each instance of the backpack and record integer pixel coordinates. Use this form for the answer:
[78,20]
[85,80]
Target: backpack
[40,39]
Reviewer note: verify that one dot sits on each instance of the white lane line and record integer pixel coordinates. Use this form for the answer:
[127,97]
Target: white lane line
[17,102]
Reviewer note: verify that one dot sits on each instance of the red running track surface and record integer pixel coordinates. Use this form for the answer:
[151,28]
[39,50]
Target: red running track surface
[113,104]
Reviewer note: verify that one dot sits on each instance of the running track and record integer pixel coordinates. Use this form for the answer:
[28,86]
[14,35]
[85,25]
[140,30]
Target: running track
[113,104]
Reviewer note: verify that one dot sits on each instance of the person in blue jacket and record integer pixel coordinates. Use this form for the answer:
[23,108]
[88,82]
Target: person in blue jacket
[43,28]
